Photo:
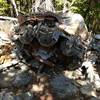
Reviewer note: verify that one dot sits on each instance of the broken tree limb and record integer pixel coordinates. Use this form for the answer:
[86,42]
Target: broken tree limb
[8,18]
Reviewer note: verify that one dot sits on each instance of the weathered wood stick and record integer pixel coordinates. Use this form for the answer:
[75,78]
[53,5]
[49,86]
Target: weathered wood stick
[8,18]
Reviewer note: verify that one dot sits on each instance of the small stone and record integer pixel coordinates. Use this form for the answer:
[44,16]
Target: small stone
[81,82]
[17,98]
[14,62]
[24,96]
[11,96]
[5,81]
[7,76]
[8,96]
[97,81]
[97,36]
[97,84]
[64,88]
[15,37]
[69,74]
[88,90]
[13,55]
[23,66]
[27,96]
[37,88]
[95,98]
[22,79]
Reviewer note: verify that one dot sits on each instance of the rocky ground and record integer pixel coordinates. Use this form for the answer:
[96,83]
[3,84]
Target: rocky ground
[19,82]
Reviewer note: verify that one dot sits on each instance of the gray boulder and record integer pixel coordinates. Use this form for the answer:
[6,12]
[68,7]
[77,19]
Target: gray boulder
[64,87]
[22,79]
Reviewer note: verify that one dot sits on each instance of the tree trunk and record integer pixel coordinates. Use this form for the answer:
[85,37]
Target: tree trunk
[14,6]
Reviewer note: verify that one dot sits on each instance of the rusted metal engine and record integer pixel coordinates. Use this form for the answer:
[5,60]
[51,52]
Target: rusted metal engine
[39,40]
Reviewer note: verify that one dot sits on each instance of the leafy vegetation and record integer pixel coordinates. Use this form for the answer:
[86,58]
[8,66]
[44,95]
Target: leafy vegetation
[89,9]
[4,6]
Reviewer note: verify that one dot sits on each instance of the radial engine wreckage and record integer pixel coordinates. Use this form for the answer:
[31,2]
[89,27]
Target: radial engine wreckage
[39,38]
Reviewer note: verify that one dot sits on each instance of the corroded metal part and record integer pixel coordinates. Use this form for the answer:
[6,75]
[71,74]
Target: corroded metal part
[39,38]
[73,46]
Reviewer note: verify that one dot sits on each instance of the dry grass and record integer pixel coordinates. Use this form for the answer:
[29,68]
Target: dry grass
[6,26]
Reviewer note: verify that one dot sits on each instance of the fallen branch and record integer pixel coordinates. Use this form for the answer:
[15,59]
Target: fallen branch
[8,18]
